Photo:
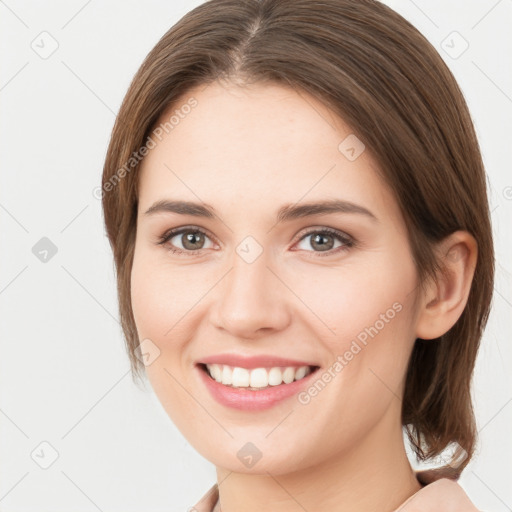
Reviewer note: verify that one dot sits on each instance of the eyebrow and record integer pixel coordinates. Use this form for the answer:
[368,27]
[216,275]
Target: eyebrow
[286,213]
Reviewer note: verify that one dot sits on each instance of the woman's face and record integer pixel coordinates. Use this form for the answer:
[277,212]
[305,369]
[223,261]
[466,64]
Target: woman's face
[266,279]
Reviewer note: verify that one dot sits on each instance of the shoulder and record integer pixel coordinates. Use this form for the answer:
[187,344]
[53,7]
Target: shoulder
[438,494]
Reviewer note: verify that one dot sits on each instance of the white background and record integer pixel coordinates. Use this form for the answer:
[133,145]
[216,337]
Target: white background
[63,369]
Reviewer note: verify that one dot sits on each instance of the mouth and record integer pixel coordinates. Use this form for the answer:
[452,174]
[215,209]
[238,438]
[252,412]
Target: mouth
[256,379]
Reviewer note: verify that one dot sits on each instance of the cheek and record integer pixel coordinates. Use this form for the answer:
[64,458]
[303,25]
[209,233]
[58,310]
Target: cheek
[166,308]
[159,309]
[345,301]
[161,295]
[364,318]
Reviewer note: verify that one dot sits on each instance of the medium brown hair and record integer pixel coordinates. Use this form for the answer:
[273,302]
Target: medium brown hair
[387,82]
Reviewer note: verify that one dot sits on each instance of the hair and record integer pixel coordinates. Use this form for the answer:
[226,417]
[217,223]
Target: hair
[385,80]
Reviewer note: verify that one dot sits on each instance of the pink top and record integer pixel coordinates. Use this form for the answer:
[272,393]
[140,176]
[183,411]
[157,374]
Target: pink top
[441,495]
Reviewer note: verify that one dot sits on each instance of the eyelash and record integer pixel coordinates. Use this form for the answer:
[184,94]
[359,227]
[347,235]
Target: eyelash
[348,241]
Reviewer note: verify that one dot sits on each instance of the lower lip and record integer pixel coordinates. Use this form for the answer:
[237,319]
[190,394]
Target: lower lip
[252,400]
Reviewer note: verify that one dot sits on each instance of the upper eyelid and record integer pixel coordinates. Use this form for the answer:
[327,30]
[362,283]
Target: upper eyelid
[171,233]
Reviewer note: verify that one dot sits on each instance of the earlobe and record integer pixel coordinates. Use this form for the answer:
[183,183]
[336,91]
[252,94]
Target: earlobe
[445,299]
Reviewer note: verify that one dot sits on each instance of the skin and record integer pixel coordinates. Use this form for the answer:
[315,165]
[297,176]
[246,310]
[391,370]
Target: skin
[247,151]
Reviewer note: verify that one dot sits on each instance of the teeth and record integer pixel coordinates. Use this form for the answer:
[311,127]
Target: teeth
[256,378]
[240,377]
[259,378]
[301,372]
[275,376]
[288,375]
[227,373]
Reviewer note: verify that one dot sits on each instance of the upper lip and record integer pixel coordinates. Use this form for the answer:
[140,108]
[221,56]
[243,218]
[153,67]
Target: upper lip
[249,362]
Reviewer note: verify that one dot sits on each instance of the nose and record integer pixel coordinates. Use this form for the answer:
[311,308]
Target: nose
[251,300]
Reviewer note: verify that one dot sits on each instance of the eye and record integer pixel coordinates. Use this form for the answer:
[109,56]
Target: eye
[324,240]
[192,240]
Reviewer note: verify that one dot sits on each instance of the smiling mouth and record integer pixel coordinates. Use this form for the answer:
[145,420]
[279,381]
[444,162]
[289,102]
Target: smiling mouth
[257,378]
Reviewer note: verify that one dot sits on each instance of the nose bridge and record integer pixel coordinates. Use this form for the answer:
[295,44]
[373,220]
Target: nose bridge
[251,297]
[248,276]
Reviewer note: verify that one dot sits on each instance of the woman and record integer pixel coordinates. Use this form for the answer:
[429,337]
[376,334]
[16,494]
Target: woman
[297,207]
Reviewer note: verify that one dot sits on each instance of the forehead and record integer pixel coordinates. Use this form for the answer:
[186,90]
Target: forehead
[258,145]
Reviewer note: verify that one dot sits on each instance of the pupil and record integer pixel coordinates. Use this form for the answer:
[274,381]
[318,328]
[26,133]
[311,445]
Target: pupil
[321,238]
[190,237]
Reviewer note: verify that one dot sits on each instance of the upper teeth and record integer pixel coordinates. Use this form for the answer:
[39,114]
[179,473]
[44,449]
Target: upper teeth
[256,378]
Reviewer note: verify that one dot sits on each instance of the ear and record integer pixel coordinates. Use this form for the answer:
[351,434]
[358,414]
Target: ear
[444,300]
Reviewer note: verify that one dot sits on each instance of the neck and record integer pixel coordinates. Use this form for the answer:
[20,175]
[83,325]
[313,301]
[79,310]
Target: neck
[374,476]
